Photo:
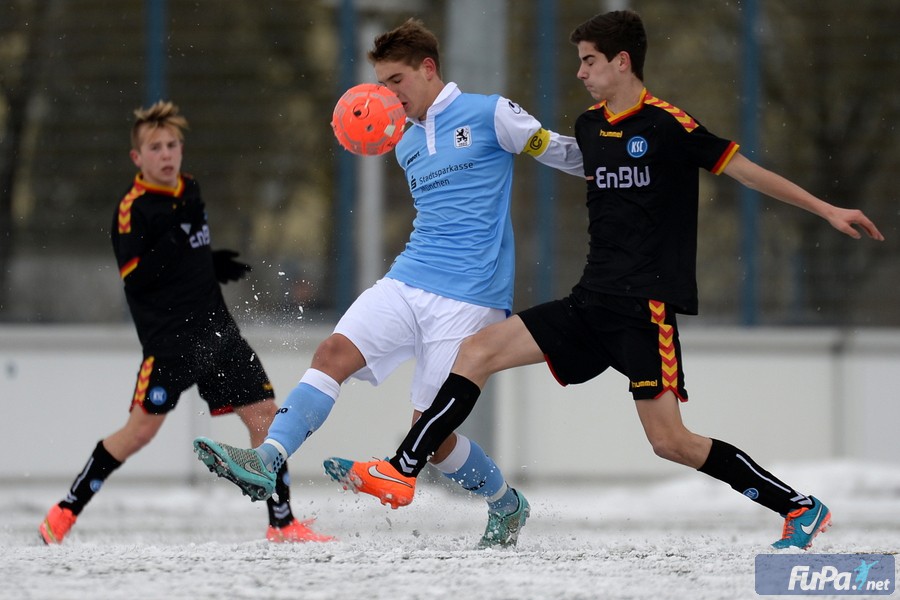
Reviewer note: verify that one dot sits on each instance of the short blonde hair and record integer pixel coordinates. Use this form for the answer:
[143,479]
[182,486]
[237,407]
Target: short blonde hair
[161,114]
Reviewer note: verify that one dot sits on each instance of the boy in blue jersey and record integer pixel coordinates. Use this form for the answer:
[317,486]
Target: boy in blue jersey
[454,277]
[641,162]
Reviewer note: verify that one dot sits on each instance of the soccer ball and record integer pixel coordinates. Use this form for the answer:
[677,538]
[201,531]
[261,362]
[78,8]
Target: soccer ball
[368,119]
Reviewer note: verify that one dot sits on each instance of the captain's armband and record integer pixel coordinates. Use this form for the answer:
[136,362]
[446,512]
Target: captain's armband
[537,143]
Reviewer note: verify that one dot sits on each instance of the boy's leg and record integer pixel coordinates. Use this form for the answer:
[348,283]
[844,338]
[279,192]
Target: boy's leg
[254,470]
[503,345]
[497,347]
[258,418]
[306,407]
[304,411]
[91,478]
[138,431]
[454,402]
[671,440]
[471,468]
[805,516]
[283,526]
[160,382]
[62,516]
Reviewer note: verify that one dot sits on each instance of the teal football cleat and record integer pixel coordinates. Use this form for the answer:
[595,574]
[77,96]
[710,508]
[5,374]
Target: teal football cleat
[503,530]
[804,524]
[339,470]
[242,467]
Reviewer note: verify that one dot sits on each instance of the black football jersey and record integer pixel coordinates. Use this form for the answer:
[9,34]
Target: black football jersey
[642,170]
[166,265]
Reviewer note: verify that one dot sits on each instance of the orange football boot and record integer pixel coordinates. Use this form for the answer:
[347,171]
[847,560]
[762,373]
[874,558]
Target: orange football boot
[378,478]
[56,524]
[296,531]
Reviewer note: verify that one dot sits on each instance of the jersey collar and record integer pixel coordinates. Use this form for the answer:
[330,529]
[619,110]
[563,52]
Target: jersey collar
[450,93]
[444,99]
[614,118]
[175,192]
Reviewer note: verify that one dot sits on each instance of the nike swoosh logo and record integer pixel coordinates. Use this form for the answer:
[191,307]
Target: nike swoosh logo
[252,469]
[374,472]
[812,527]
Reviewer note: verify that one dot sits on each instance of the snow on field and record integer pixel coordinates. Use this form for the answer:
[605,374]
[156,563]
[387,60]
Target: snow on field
[689,537]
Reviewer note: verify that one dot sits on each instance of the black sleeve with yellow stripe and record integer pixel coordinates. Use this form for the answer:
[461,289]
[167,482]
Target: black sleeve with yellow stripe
[146,238]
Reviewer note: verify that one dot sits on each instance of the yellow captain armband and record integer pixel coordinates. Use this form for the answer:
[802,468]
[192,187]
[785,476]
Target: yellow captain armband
[537,144]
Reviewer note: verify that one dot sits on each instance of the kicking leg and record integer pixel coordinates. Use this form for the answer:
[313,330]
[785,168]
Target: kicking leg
[305,409]
[283,526]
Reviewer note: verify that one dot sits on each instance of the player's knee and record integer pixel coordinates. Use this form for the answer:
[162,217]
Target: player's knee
[474,356]
[669,447]
[329,348]
[337,357]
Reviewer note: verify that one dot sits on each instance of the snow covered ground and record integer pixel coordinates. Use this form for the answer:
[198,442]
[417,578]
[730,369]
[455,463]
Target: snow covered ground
[689,537]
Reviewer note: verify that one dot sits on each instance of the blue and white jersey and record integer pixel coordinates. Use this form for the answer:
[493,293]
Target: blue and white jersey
[459,167]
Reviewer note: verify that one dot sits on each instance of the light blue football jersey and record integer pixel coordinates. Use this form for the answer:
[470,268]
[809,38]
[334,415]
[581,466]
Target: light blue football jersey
[459,168]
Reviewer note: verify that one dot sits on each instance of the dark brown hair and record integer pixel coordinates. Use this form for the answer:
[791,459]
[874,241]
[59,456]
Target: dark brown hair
[614,32]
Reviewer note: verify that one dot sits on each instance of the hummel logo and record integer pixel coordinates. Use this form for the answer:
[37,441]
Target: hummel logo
[406,463]
[812,526]
[282,510]
[374,472]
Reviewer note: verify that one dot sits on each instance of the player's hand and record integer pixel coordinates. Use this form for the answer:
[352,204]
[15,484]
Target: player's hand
[227,269]
[847,220]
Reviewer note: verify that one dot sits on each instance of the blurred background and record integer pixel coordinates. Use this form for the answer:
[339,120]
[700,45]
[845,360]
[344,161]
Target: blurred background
[809,88]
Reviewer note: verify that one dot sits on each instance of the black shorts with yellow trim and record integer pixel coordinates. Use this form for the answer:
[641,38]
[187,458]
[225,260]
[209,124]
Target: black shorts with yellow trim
[227,372]
[588,332]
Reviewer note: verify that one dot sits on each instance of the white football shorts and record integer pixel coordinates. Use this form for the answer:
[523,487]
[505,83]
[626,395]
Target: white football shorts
[392,322]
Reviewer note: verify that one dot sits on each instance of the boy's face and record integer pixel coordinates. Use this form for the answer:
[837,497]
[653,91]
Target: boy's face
[412,86]
[599,75]
[159,155]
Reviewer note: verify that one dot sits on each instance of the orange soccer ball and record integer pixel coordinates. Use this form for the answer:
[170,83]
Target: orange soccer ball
[368,119]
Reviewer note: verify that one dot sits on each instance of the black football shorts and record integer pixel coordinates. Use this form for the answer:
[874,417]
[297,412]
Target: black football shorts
[588,332]
[227,371]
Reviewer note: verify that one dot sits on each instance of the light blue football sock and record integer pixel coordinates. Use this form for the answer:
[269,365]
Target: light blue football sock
[470,467]
[270,454]
[303,412]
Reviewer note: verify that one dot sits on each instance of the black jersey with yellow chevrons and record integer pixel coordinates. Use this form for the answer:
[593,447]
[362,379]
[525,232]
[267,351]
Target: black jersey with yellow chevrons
[641,167]
[166,265]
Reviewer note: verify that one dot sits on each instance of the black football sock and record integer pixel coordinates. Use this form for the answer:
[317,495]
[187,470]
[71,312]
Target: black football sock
[280,511]
[90,480]
[453,403]
[731,465]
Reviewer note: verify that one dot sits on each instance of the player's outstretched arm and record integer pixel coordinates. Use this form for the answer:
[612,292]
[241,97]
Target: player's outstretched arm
[558,151]
[755,177]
